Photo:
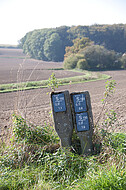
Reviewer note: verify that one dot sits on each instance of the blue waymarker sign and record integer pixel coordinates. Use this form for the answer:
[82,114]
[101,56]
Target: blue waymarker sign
[59,102]
[79,103]
[82,121]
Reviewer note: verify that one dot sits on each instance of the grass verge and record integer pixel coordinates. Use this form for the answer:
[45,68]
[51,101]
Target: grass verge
[34,161]
[87,77]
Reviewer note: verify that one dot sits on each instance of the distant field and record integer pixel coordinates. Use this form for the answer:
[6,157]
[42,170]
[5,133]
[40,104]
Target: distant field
[35,104]
[16,67]
[8,46]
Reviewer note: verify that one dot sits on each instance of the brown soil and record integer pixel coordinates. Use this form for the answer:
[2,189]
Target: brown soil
[35,104]
[16,67]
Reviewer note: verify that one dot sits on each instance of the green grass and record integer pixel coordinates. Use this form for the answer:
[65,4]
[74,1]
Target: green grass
[87,77]
[34,160]
[103,179]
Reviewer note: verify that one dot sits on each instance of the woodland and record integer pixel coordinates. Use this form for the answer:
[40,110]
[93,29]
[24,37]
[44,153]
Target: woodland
[56,44]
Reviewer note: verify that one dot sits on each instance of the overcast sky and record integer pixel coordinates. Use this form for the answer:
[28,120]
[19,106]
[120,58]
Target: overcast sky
[17,17]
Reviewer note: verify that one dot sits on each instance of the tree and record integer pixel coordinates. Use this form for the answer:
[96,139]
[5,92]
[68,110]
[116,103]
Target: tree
[78,45]
[99,58]
[73,39]
[53,48]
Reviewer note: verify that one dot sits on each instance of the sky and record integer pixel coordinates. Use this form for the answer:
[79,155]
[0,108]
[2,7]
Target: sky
[17,17]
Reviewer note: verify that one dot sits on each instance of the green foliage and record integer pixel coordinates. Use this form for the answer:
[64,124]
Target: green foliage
[99,58]
[52,82]
[40,135]
[115,141]
[111,119]
[38,43]
[109,88]
[78,45]
[82,64]
[29,168]
[96,58]
[108,178]
[88,76]
[123,61]
[113,37]
[70,62]
[53,48]
[118,142]
[46,44]
[62,167]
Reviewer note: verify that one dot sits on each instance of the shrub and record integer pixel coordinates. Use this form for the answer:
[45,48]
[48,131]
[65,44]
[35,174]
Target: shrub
[123,61]
[40,135]
[80,56]
[70,62]
[82,64]
[99,58]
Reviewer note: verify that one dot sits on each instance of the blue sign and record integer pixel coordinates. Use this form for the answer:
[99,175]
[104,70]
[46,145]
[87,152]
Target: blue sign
[82,121]
[79,103]
[59,102]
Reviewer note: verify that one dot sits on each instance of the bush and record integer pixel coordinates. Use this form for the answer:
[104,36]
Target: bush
[94,57]
[123,61]
[80,56]
[40,135]
[82,64]
[70,62]
[99,58]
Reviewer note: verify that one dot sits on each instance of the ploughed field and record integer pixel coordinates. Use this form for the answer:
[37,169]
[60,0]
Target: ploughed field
[35,106]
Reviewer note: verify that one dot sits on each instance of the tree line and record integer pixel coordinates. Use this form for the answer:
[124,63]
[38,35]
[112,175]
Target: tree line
[53,44]
[47,44]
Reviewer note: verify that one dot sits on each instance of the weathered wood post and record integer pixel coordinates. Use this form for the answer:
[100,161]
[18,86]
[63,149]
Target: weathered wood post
[83,119]
[62,116]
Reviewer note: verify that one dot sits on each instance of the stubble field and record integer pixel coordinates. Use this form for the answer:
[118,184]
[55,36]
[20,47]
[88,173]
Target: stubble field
[35,106]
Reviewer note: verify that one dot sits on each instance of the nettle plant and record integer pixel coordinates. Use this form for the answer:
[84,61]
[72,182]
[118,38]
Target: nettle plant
[111,116]
[103,131]
[109,90]
[53,83]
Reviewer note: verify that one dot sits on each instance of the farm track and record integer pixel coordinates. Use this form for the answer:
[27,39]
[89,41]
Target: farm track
[35,104]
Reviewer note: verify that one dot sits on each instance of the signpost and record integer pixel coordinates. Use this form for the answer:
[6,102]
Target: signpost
[79,102]
[59,102]
[62,116]
[83,119]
